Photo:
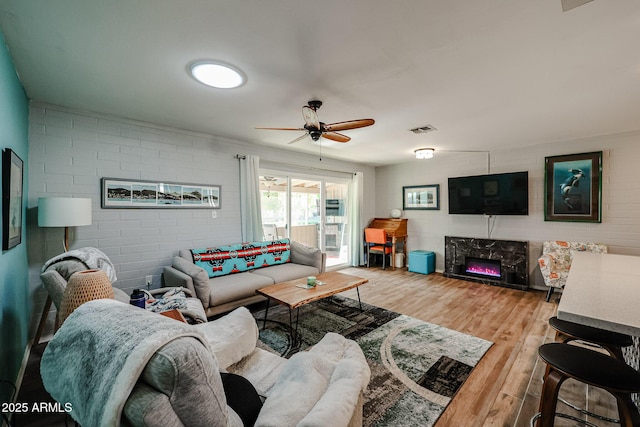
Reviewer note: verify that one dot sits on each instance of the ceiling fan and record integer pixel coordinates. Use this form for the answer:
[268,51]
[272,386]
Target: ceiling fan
[316,129]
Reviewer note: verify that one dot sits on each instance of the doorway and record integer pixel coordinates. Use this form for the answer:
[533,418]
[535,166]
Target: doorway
[308,209]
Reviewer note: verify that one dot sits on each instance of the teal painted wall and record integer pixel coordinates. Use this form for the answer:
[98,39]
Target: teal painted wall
[14,281]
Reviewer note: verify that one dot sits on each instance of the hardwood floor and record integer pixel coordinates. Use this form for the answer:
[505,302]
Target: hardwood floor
[503,390]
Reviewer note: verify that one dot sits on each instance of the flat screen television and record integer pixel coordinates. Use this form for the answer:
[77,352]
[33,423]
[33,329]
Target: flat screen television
[494,194]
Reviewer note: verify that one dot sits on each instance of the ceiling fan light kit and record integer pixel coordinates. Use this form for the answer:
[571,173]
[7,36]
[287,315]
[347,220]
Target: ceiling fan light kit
[217,74]
[424,153]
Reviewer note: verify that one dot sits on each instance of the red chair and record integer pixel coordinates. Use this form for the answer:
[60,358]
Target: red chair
[376,241]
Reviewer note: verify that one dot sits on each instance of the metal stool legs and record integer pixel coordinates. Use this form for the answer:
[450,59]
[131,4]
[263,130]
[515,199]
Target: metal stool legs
[589,367]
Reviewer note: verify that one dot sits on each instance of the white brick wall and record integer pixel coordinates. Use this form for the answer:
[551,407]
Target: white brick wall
[70,151]
[620,227]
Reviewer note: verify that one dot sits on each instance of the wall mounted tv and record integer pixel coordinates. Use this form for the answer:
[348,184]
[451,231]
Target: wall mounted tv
[494,194]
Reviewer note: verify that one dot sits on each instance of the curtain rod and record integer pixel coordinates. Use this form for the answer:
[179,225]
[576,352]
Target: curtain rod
[312,168]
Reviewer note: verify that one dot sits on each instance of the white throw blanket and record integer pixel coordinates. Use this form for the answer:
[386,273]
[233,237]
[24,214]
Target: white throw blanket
[91,257]
[318,388]
[96,357]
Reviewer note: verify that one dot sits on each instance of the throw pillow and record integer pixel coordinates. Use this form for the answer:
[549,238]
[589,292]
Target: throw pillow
[242,397]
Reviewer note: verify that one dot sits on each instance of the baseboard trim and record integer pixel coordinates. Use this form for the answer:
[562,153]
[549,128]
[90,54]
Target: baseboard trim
[20,376]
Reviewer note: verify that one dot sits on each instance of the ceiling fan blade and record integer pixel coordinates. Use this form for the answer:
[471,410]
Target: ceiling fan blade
[335,136]
[298,138]
[351,124]
[282,128]
[310,117]
[571,4]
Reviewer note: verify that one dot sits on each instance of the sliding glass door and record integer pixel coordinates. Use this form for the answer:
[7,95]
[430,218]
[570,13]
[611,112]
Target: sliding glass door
[310,210]
[336,229]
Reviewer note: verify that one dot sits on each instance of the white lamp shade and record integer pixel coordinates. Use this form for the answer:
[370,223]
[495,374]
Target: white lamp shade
[63,212]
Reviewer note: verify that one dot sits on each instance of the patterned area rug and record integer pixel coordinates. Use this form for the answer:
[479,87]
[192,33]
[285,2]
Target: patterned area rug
[416,367]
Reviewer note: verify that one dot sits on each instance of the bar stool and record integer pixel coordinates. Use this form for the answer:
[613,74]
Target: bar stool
[612,342]
[566,361]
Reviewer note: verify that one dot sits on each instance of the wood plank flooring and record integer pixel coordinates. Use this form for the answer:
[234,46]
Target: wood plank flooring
[503,390]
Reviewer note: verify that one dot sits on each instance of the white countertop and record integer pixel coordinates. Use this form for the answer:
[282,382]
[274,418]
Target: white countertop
[603,290]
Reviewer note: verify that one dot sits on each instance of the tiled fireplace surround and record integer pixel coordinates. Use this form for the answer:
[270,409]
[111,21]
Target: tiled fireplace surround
[513,256]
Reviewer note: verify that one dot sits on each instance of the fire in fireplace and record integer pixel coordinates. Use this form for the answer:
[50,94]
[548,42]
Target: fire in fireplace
[483,267]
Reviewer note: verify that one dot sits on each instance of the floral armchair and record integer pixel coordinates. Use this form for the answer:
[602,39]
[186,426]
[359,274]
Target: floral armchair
[556,258]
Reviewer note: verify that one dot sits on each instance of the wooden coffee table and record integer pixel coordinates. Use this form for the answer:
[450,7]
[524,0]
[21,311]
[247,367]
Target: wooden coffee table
[289,294]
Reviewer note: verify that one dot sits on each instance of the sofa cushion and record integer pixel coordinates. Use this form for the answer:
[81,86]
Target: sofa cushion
[238,258]
[231,337]
[324,384]
[236,286]
[284,273]
[305,254]
[198,275]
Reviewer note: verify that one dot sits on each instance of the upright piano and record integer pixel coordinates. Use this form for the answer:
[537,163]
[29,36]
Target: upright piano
[396,229]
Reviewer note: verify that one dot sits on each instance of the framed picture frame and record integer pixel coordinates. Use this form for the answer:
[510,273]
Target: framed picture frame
[573,187]
[12,194]
[425,197]
[137,194]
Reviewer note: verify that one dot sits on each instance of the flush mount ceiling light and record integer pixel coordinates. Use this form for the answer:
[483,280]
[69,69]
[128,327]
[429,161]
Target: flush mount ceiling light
[424,153]
[217,74]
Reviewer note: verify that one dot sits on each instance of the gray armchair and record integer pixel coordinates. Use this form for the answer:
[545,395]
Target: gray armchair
[54,279]
[155,371]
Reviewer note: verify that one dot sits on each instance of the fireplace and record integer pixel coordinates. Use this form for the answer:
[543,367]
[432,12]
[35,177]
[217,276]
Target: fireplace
[482,267]
[489,261]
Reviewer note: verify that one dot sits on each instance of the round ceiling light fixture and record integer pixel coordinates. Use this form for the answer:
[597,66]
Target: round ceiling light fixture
[217,74]
[424,153]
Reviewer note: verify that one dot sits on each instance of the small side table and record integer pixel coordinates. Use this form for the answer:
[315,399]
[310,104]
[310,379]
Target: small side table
[174,314]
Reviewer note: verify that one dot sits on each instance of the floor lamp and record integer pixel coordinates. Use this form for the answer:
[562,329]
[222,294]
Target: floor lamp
[64,212]
[60,212]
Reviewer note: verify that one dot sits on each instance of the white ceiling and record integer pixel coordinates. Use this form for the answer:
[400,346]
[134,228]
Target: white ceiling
[488,74]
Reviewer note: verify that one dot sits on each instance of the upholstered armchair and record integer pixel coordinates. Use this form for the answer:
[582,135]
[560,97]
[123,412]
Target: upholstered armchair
[155,371]
[57,271]
[556,258]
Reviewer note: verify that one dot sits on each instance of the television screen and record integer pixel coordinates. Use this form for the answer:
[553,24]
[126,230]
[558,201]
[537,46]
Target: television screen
[494,194]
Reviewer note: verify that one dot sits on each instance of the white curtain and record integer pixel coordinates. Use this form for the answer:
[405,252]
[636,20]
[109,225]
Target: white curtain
[356,199]
[250,210]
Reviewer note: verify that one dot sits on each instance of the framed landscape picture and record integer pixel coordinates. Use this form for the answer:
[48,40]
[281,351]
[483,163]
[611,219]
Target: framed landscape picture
[127,193]
[421,197]
[11,199]
[573,187]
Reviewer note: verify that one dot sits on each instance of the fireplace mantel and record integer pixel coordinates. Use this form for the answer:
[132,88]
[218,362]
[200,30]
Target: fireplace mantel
[512,254]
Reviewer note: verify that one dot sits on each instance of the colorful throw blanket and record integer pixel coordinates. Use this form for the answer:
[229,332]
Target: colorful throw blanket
[174,299]
[223,260]
[97,356]
[91,257]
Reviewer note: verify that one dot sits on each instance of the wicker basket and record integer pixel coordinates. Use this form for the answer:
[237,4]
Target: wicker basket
[84,286]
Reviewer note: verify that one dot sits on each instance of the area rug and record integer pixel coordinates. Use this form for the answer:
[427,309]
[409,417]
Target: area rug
[416,367]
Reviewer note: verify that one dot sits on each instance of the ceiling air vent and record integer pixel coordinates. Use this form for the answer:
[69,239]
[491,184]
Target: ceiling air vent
[423,129]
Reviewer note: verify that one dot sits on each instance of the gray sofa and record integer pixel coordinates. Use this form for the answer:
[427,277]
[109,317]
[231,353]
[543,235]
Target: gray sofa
[224,293]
